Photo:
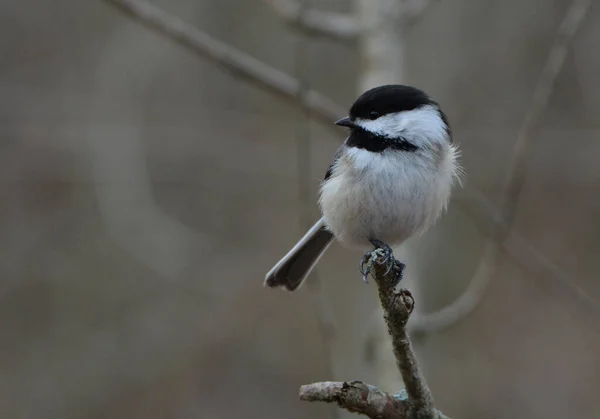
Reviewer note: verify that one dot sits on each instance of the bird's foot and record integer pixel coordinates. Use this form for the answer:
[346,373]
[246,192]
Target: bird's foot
[382,255]
[366,263]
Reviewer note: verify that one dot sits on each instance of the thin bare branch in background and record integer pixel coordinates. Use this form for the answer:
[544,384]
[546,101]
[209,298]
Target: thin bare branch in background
[524,254]
[515,179]
[337,26]
[416,401]
[344,27]
[235,61]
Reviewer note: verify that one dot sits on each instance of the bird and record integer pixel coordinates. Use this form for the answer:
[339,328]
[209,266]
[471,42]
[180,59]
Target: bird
[390,180]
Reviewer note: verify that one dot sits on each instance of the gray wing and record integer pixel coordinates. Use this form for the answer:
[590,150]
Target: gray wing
[336,157]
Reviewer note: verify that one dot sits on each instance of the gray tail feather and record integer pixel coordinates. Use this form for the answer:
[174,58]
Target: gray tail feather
[291,271]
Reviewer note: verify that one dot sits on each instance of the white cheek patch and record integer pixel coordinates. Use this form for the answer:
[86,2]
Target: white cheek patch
[420,126]
[382,125]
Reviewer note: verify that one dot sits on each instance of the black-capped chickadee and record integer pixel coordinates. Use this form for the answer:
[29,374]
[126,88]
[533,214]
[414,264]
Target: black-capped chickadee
[390,180]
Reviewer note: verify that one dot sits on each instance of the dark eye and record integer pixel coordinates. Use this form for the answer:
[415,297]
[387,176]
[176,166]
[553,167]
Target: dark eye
[373,115]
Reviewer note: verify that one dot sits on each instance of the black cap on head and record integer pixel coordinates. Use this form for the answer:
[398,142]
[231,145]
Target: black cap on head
[387,99]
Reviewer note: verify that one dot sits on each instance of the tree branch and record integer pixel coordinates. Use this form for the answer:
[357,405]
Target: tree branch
[235,61]
[416,401]
[337,26]
[357,397]
[397,307]
[523,148]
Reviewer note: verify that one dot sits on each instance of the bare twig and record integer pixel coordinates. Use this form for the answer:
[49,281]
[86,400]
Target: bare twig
[397,307]
[416,401]
[337,26]
[356,397]
[236,62]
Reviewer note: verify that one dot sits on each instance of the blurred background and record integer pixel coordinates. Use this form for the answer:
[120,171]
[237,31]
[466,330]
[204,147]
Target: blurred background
[145,191]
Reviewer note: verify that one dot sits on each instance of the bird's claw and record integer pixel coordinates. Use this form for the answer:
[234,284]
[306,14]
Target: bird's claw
[365,266]
[382,255]
[385,251]
[366,263]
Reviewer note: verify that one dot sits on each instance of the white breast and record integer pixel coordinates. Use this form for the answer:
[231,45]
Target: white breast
[388,196]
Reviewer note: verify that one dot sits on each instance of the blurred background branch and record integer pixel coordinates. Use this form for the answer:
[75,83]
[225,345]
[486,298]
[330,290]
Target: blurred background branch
[237,62]
[515,179]
[523,148]
[337,26]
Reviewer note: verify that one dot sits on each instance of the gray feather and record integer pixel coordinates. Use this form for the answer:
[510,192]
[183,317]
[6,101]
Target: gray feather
[291,271]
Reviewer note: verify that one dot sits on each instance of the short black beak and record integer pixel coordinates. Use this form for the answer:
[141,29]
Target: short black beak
[345,122]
